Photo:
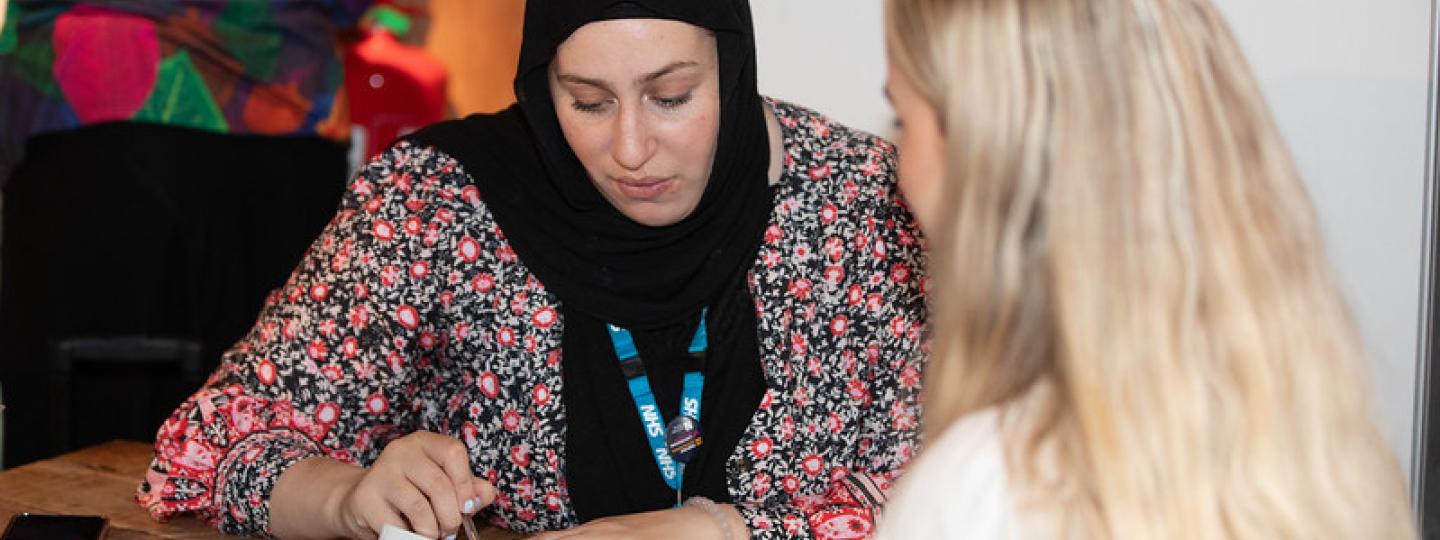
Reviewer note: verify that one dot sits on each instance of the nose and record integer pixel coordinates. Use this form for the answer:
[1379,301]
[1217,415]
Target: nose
[633,144]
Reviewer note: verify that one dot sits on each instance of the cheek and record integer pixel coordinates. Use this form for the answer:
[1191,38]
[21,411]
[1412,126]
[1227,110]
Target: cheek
[589,140]
[691,146]
[921,170]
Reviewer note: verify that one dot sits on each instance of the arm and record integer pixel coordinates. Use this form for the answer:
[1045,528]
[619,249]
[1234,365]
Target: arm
[888,425]
[329,368]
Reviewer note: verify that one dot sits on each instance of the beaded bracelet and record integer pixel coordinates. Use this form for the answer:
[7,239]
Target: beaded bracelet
[715,514]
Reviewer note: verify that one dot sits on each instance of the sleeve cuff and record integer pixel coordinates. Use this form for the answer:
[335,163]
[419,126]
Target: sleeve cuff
[774,522]
[249,471]
[849,510]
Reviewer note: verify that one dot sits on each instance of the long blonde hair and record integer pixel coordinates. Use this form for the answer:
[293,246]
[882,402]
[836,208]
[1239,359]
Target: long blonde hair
[1127,231]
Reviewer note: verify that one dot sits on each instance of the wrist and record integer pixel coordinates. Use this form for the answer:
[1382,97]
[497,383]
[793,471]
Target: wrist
[340,479]
[313,492]
[725,522]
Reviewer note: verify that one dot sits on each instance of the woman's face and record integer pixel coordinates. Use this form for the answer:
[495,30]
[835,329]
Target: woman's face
[639,103]
[921,145]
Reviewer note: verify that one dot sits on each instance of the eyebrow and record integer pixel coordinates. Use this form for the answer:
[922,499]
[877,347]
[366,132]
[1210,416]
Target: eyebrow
[886,90]
[648,77]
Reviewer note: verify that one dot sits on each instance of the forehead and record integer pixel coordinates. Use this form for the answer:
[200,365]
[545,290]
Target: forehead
[636,42]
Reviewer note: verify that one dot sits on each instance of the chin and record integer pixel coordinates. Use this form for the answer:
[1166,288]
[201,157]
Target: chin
[657,215]
[651,218]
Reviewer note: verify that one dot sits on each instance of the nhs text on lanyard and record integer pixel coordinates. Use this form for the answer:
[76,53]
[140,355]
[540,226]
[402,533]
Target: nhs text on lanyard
[679,440]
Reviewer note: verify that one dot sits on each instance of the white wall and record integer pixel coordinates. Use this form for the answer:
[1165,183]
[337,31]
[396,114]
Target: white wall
[1348,84]
[828,55]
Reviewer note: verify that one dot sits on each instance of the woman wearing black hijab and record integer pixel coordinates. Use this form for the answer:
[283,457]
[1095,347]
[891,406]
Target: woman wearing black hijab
[729,280]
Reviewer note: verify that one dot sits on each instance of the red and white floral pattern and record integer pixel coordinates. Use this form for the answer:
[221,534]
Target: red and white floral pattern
[412,312]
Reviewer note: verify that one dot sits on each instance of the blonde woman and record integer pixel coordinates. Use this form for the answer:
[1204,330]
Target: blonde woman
[1137,333]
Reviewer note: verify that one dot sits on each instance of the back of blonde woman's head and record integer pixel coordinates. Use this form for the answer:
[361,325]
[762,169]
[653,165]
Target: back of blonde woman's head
[1126,230]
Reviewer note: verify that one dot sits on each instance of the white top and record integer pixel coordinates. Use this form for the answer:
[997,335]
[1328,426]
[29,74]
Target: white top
[957,488]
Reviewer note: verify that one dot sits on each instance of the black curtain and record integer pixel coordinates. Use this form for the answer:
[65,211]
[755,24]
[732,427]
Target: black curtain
[130,229]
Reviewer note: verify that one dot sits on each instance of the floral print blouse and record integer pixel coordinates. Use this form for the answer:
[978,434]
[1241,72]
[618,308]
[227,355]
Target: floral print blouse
[412,312]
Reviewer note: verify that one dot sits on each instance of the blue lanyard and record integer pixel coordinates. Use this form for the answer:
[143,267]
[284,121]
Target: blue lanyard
[639,382]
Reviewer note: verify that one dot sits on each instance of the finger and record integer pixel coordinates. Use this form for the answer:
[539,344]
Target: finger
[415,506]
[433,482]
[374,524]
[367,511]
[485,491]
[454,458]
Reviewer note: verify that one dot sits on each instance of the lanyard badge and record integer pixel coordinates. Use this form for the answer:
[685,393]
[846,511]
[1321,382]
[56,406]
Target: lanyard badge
[675,443]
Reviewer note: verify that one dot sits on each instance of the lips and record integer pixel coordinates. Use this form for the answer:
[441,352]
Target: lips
[648,188]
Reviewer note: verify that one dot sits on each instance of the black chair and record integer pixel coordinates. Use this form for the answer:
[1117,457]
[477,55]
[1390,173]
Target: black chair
[123,387]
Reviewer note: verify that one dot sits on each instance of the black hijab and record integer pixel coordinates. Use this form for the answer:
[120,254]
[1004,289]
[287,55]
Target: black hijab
[605,267]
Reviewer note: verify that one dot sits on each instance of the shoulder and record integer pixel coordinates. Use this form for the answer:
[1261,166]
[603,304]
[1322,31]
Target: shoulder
[957,488]
[840,184]
[822,152]
[969,448]
[410,170]
[414,202]
[807,129]
[830,164]
[414,180]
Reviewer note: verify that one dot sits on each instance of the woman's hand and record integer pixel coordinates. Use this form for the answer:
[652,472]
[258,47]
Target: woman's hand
[420,482]
[687,522]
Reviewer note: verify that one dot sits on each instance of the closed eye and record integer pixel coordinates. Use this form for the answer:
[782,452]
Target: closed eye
[672,102]
[590,107]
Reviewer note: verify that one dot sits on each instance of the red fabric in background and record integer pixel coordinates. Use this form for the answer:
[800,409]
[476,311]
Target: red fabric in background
[394,89]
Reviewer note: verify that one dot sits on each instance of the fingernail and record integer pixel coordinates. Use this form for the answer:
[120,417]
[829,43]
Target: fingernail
[450,536]
[469,506]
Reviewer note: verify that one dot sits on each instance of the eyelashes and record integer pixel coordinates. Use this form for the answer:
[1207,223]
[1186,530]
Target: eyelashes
[673,102]
[592,107]
[668,103]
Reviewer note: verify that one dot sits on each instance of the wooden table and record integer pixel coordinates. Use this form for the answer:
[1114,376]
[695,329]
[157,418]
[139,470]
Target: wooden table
[101,480]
